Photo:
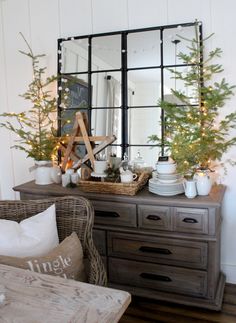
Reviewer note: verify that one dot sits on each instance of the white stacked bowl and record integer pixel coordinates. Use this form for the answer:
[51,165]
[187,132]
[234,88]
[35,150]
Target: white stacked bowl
[166,168]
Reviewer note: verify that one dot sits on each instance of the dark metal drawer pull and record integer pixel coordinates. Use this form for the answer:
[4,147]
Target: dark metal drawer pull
[153,217]
[106,214]
[190,220]
[156,277]
[162,251]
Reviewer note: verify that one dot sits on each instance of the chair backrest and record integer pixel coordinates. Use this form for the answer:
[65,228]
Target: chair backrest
[73,214]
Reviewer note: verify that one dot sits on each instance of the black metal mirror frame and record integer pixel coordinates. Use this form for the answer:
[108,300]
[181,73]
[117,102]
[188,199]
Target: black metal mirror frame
[124,80]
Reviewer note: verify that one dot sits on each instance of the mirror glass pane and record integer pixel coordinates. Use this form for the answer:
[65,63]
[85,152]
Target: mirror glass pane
[68,120]
[106,89]
[106,122]
[170,82]
[149,155]
[75,91]
[114,151]
[143,49]
[74,56]
[106,52]
[173,44]
[142,124]
[144,87]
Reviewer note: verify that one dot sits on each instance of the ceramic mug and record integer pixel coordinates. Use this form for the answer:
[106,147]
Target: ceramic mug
[128,178]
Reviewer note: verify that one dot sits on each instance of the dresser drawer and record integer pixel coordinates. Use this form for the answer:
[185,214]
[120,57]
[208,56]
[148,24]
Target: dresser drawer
[158,250]
[158,277]
[154,217]
[114,213]
[191,220]
[99,238]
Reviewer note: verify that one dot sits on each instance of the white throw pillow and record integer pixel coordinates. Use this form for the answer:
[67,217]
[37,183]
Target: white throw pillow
[34,236]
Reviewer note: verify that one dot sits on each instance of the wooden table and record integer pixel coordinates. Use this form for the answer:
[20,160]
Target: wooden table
[34,298]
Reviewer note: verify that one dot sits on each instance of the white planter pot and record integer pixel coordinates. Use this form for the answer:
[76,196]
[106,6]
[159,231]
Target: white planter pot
[43,172]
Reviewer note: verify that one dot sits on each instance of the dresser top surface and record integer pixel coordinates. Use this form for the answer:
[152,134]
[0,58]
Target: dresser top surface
[214,199]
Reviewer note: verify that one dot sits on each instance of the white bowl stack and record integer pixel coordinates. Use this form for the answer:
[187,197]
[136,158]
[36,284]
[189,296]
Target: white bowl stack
[165,181]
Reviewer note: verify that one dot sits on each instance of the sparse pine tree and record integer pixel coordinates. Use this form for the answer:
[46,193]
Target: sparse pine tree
[35,128]
[192,134]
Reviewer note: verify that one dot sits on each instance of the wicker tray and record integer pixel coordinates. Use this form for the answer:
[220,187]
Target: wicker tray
[115,188]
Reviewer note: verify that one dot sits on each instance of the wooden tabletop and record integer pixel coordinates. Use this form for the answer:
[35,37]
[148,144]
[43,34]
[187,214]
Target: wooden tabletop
[37,298]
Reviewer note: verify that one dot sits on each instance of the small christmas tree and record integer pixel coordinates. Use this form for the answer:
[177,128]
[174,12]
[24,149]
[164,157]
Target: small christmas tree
[36,127]
[192,134]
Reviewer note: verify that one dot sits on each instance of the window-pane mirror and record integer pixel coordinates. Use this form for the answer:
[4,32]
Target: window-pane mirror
[74,56]
[106,52]
[143,49]
[144,87]
[143,122]
[174,41]
[106,89]
[120,78]
[106,122]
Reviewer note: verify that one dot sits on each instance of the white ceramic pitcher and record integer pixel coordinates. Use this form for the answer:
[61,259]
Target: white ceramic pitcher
[190,188]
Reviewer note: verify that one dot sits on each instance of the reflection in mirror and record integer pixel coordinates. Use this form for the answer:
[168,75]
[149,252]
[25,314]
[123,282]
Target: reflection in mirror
[106,52]
[106,122]
[171,82]
[142,124]
[75,92]
[145,86]
[68,120]
[74,56]
[106,89]
[173,43]
[149,155]
[143,49]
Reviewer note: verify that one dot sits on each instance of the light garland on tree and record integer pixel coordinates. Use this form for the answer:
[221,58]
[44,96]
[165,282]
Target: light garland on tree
[193,138]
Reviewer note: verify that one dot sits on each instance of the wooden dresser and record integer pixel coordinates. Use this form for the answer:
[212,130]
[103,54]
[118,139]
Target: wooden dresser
[164,248]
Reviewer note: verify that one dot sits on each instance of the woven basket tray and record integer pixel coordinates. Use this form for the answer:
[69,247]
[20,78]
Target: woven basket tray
[115,188]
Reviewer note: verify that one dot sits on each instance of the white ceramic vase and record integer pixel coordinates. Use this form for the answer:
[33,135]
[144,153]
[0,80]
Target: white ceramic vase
[203,183]
[43,172]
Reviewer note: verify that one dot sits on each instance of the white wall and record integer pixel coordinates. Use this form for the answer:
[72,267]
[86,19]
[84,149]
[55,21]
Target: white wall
[43,21]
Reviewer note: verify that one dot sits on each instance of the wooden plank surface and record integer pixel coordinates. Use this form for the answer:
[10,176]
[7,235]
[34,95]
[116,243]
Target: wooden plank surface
[37,298]
[214,199]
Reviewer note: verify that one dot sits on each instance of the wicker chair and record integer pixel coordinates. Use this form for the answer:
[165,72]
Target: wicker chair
[72,214]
